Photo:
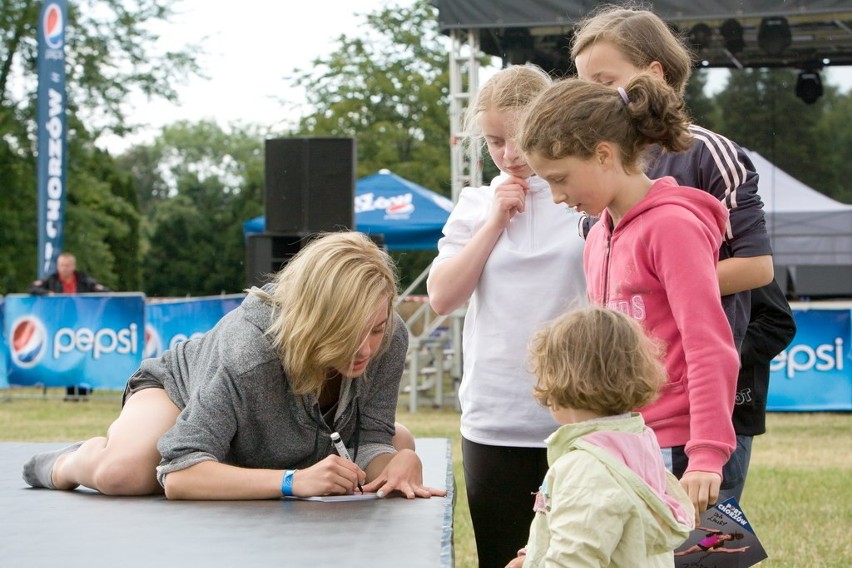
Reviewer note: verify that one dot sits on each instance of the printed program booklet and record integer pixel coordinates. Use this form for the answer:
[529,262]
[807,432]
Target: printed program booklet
[723,539]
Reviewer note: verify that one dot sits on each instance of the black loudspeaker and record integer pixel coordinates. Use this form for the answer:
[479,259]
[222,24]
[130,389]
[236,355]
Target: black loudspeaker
[782,278]
[823,281]
[309,185]
[267,253]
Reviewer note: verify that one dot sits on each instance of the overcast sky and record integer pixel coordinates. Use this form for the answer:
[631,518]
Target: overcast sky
[250,50]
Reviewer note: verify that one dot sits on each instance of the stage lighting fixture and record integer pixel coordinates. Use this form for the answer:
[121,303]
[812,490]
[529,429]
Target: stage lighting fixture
[809,86]
[774,35]
[732,33]
[700,36]
[518,45]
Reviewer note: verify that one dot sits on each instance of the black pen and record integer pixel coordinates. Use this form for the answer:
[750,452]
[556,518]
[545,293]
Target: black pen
[341,450]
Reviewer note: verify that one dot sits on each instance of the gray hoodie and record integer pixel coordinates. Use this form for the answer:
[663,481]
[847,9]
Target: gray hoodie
[238,407]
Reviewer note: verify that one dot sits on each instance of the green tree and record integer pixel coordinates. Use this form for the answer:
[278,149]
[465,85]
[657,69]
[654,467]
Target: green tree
[110,52]
[17,219]
[102,219]
[122,219]
[834,139]
[702,109]
[761,112]
[142,162]
[388,88]
[204,183]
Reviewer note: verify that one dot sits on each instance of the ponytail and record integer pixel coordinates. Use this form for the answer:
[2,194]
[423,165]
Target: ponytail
[573,116]
[658,113]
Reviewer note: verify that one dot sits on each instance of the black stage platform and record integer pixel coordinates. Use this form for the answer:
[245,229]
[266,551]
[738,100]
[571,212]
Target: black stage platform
[83,528]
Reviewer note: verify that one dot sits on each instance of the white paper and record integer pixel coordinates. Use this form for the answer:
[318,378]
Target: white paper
[338,498]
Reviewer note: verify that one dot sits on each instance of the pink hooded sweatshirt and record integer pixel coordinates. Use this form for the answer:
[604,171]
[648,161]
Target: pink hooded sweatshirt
[659,267]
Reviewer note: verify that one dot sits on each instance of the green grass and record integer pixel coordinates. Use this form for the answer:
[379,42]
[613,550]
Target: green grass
[798,497]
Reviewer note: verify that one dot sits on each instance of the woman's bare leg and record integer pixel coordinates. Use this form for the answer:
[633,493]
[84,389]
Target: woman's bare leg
[125,461]
[403,439]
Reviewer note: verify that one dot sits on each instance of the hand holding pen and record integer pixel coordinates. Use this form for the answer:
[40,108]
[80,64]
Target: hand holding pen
[333,475]
[343,452]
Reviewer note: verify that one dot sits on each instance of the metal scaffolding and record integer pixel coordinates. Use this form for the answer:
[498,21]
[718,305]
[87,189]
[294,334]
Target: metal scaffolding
[465,162]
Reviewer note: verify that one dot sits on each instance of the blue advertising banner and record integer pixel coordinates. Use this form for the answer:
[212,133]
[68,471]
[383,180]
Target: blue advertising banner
[100,340]
[814,373]
[169,322]
[52,163]
[61,340]
[4,350]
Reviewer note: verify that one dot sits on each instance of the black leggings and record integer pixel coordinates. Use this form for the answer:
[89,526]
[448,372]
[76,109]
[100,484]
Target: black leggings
[501,482]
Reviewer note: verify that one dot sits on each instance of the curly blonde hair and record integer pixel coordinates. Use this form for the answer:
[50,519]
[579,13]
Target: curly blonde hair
[324,300]
[596,359]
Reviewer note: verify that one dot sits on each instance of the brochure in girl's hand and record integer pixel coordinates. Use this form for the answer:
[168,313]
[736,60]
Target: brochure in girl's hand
[723,539]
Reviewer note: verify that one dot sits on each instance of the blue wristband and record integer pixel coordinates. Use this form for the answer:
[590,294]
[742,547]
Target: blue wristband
[287,482]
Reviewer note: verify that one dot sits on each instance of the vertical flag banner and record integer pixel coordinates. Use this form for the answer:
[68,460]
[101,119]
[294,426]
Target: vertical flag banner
[52,162]
[4,348]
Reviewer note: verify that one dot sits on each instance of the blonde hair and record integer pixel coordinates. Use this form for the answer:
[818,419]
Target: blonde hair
[512,88]
[324,299]
[641,36]
[596,359]
[573,116]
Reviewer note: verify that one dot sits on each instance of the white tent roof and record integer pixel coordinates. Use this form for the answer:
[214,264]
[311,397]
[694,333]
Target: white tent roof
[810,233]
[782,193]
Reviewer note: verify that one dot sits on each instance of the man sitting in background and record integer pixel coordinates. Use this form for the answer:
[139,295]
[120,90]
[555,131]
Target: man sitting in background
[68,280]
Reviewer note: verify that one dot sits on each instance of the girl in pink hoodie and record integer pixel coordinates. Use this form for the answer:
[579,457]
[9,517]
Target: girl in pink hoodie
[653,255]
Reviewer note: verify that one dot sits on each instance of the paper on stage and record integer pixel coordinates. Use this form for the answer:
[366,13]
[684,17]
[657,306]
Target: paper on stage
[338,498]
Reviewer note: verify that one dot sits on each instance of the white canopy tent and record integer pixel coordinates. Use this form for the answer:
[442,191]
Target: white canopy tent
[811,234]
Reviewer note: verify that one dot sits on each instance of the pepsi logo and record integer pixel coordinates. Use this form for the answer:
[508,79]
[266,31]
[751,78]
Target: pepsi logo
[53,26]
[153,343]
[28,342]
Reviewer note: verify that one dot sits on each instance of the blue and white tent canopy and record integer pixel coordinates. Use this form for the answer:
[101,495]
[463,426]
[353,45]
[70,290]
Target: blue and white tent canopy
[407,215]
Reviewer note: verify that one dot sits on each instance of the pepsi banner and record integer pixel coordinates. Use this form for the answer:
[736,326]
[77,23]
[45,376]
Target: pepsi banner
[169,322]
[62,340]
[4,350]
[52,163]
[100,340]
[814,373]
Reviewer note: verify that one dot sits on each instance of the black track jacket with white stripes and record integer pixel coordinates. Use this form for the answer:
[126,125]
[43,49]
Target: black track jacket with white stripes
[721,168]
